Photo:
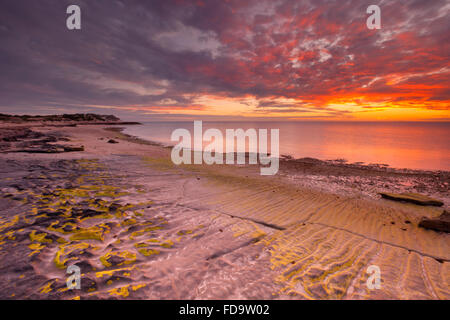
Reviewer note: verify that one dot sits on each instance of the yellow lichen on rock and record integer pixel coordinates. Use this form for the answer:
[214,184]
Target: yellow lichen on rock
[122,291]
[39,237]
[129,257]
[92,233]
[148,252]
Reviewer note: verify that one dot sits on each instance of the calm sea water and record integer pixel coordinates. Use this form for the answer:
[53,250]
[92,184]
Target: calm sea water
[414,145]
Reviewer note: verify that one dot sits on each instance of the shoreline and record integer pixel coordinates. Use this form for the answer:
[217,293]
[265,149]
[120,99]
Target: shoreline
[291,167]
[306,233]
[325,175]
[337,162]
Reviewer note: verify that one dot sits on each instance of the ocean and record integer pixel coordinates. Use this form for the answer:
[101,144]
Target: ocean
[412,145]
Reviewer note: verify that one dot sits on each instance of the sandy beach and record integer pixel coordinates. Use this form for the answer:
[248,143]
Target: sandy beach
[140,227]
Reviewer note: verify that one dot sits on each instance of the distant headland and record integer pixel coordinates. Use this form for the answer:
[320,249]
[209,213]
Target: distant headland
[76,118]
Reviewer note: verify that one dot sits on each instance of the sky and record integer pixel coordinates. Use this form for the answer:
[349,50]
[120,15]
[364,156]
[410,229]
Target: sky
[227,59]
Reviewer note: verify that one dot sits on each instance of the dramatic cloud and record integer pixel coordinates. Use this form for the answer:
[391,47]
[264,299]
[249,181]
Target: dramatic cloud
[253,58]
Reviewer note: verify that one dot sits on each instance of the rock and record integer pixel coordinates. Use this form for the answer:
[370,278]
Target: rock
[85,266]
[115,260]
[112,141]
[73,149]
[412,198]
[87,284]
[78,117]
[85,213]
[441,223]
[40,150]
[18,187]
[19,139]
[8,190]
[114,206]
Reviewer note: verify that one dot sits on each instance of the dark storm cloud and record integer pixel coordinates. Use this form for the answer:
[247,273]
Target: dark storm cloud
[152,54]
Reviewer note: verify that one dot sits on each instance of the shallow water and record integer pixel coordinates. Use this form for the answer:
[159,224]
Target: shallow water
[413,145]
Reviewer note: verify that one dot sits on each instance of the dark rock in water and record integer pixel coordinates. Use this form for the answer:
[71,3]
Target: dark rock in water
[115,260]
[412,198]
[85,266]
[18,187]
[85,213]
[56,213]
[112,141]
[40,149]
[441,223]
[88,285]
[117,280]
[73,149]
[114,206]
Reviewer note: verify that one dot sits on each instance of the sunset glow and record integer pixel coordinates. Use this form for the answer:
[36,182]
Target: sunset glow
[313,60]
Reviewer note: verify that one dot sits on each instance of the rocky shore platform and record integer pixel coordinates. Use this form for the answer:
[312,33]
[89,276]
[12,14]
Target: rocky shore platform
[140,227]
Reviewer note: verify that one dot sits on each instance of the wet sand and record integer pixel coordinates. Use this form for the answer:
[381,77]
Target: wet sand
[141,228]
